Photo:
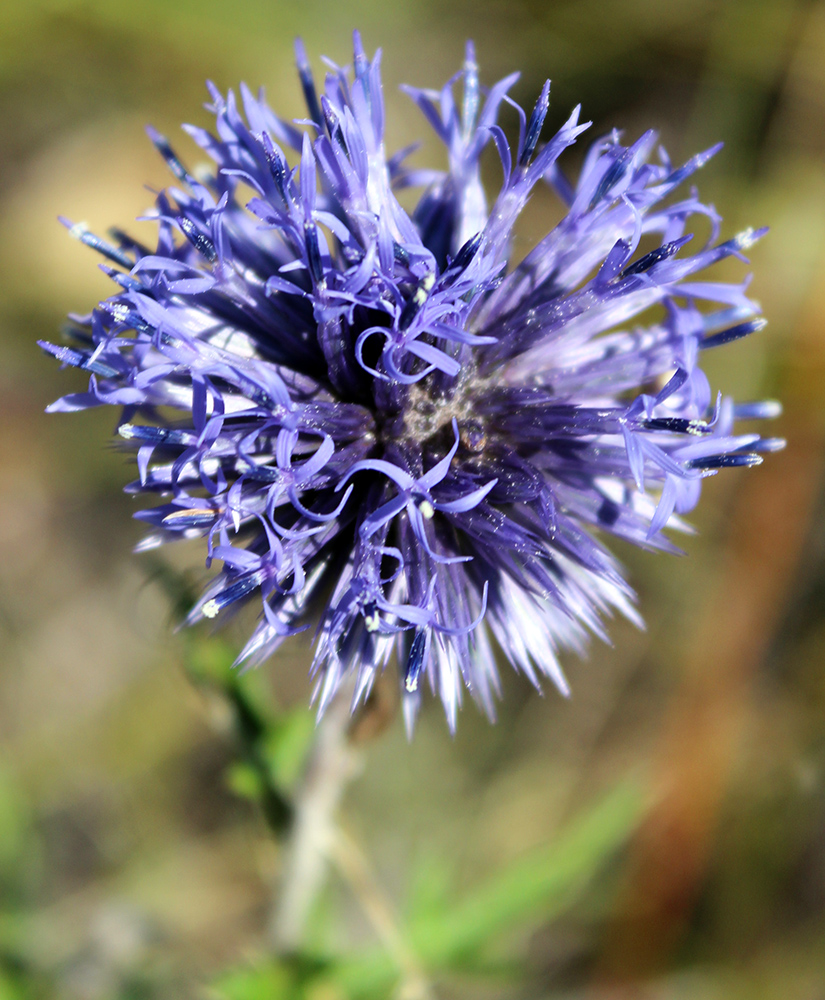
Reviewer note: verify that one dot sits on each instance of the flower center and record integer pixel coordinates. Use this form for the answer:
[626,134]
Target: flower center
[425,415]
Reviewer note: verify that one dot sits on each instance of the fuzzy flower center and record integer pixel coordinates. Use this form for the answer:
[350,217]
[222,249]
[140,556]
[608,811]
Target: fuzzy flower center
[426,417]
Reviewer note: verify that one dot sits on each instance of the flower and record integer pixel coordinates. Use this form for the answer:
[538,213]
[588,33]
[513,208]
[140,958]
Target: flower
[374,416]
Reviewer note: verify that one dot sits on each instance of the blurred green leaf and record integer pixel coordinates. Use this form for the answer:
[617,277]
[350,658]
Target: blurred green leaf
[244,781]
[267,983]
[431,889]
[9,989]
[19,980]
[209,661]
[541,884]
[367,976]
[210,658]
[287,744]
[293,979]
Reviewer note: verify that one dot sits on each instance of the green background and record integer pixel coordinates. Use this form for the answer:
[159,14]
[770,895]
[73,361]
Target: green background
[132,861]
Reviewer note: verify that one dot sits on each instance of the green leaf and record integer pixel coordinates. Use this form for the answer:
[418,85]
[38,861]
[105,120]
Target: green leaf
[299,978]
[8,990]
[287,744]
[541,884]
[210,658]
[244,781]
[270,982]
[368,976]
[431,890]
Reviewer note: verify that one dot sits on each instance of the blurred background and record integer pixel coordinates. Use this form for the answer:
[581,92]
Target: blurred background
[662,834]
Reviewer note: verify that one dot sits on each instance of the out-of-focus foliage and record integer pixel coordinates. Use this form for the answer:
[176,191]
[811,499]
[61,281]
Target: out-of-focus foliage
[454,935]
[135,856]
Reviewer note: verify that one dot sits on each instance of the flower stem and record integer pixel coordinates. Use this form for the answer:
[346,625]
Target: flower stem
[332,763]
[354,867]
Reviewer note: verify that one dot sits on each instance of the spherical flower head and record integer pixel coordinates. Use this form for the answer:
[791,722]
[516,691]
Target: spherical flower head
[377,419]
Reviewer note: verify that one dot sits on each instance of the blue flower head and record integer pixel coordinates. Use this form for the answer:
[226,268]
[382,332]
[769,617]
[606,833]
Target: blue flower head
[377,418]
